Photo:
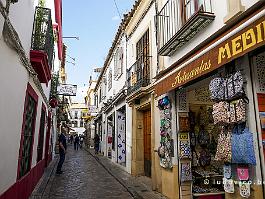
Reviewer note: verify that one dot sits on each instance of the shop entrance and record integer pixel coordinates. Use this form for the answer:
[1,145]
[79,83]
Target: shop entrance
[147,142]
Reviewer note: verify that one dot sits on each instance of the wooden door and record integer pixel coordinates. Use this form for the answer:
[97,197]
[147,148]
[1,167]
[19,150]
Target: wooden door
[147,143]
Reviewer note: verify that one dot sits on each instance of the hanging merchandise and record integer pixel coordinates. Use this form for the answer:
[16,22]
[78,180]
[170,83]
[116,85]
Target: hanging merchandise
[205,158]
[203,116]
[184,125]
[186,174]
[224,152]
[229,185]
[244,188]
[165,149]
[217,88]
[237,111]
[242,146]
[195,159]
[242,173]
[234,85]
[227,89]
[220,113]
[161,151]
[203,137]
[227,171]
[184,149]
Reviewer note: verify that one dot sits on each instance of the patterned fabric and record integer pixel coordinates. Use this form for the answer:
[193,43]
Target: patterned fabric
[203,138]
[242,173]
[217,88]
[205,158]
[244,189]
[228,185]
[165,149]
[234,86]
[237,111]
[223,152]
[186,174]
[242,147]
[227,171]
[220,113]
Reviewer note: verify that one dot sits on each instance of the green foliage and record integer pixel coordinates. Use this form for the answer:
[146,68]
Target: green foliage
[54,84]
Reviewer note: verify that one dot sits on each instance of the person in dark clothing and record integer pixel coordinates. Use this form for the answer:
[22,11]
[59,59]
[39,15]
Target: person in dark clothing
[76,142]
[62,151]
[96,143]
[71,139]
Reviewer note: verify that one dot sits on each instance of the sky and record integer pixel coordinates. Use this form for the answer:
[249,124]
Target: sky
[95,22]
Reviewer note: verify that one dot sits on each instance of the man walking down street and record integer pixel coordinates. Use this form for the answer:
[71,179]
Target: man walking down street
[62,151]
[76,142]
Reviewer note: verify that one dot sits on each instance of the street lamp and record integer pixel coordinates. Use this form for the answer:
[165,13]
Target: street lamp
[77,38]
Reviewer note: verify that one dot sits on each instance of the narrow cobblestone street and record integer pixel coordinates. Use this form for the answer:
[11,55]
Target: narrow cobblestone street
[83,177]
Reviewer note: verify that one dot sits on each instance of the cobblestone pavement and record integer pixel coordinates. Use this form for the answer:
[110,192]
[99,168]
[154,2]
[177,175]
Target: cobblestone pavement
[83,178]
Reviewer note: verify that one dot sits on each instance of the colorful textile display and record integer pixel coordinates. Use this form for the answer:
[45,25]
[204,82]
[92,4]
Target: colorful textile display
[165,149]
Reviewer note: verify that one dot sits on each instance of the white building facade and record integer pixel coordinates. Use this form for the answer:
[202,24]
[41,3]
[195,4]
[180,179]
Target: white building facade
[27,61]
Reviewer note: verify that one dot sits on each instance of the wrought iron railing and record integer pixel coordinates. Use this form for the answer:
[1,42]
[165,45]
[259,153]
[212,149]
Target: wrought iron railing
[175,14]
[42,36]
[138,75]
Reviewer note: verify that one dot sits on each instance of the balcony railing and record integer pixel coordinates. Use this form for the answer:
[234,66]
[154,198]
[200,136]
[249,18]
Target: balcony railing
[179,21]
[139,74]
[42,36]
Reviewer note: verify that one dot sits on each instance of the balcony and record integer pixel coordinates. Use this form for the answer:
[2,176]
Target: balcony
[42,44]
[138,75]
[179,21]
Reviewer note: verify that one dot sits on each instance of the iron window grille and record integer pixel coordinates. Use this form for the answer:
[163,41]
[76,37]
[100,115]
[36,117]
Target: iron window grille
[28,133]
[41,136]
[138,75]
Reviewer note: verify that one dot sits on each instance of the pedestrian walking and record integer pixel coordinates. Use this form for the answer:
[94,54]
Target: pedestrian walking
[76,142]
[62,152]
[96,143]
[71,139]
[81,142]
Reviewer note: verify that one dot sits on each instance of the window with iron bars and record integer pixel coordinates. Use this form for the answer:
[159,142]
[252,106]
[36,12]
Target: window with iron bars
[110,79]
[118,63]
[27,135]
[142,56]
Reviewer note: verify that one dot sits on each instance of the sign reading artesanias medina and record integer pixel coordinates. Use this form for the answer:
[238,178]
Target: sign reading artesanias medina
[67,89]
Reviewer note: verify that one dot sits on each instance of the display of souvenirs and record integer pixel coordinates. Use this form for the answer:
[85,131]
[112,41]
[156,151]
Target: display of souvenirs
[184,149]
[186,174]
[227,88]
[244,189]
[165,149]
[243,173]
[229,186]
[224,151]
[242,146]
[227,171]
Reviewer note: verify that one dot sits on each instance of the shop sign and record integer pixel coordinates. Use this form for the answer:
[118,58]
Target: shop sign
[67,89]
[237,45]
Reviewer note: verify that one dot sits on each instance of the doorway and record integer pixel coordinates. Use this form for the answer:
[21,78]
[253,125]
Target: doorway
[147,142]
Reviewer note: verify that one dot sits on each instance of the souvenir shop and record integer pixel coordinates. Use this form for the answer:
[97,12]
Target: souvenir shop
[219,122]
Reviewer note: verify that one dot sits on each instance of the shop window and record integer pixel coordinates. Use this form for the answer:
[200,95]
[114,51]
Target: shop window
[41,134]
[28,130]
